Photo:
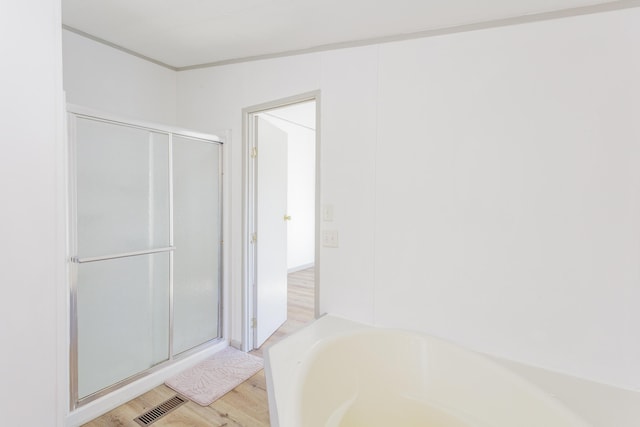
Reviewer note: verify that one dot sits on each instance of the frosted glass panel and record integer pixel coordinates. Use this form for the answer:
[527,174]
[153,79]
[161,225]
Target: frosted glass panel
[196,175]
[123,319]
[127,313]
[122,188]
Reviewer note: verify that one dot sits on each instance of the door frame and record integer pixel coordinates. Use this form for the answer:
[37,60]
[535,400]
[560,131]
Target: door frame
[249,216]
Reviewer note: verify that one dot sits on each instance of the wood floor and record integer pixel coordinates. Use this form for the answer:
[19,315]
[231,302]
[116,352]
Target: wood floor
[244,406]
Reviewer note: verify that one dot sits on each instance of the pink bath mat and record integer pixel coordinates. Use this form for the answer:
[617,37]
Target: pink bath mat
[212,378]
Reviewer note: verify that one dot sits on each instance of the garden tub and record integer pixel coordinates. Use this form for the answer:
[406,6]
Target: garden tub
[339,373]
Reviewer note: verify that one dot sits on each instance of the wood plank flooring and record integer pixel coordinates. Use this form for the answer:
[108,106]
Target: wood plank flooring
[244,406]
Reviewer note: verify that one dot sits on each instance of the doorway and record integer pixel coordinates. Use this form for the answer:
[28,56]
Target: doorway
[281,218]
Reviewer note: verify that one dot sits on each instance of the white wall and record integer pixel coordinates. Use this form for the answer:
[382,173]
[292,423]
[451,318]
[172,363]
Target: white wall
[109,80]
[484,184]
[32,213]
[507,209]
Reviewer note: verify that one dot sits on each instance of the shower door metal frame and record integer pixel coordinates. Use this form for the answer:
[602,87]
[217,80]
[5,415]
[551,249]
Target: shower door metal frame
[73,113]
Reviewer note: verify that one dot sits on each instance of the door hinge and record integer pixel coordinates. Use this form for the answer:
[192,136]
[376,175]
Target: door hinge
[254,323]
[254,152]
[254,237]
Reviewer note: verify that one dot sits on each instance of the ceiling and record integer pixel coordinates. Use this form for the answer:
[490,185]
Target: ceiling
[190,33]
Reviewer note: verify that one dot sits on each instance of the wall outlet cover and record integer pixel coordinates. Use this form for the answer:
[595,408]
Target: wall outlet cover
[330,238]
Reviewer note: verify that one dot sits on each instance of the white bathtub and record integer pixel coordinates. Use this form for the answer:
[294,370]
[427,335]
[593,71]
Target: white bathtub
[338,373]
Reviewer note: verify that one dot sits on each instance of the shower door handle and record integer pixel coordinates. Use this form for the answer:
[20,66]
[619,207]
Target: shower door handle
[79,260]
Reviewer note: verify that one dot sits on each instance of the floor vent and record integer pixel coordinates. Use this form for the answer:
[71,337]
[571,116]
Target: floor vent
[160,411]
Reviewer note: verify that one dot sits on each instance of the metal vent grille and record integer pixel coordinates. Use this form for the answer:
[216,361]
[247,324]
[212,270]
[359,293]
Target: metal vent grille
[160,411]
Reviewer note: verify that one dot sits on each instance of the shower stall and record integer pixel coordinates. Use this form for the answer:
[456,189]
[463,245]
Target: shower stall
[146,248]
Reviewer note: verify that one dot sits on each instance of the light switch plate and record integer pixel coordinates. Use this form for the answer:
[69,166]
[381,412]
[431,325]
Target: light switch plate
[327,213]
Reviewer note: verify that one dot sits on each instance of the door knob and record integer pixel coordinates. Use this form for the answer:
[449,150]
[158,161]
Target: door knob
[287,217]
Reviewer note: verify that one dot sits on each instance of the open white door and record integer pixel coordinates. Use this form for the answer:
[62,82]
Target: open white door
[271,227]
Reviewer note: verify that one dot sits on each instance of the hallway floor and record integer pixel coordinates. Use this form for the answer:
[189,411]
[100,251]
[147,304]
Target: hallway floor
[244,406]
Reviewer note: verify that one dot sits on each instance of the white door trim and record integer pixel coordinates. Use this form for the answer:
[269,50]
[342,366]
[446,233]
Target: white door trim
[248,209]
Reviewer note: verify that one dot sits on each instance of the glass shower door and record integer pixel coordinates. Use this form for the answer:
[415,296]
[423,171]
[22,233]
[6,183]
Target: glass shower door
[146,242]
[122,267]
[197,226]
